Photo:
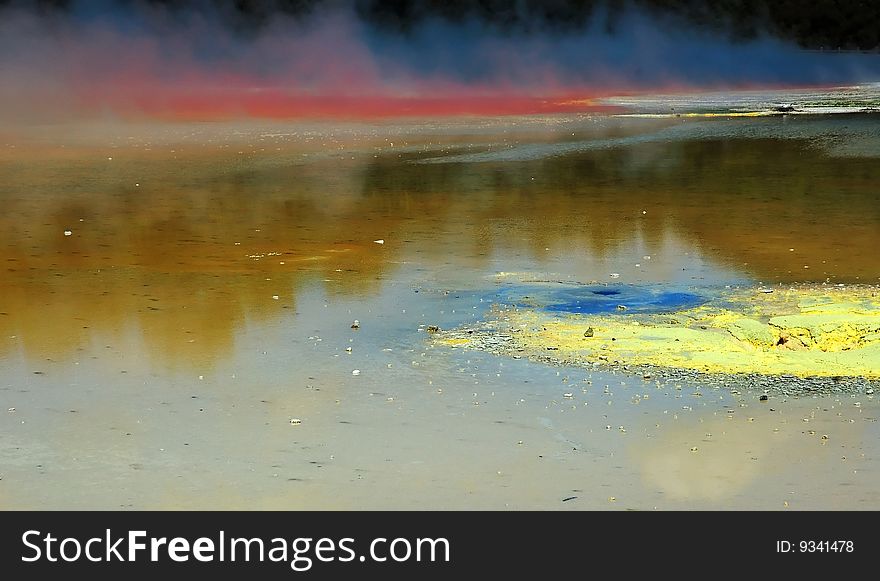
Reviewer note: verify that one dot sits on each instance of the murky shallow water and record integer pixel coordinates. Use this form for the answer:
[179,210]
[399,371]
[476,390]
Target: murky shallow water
[171,298]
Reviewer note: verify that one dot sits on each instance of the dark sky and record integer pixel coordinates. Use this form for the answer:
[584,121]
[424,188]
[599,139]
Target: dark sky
[814,24]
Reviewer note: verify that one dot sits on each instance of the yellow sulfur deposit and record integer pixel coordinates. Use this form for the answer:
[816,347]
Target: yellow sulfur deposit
[807,331]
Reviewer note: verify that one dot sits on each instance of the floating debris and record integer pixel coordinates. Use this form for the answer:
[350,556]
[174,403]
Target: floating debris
[295,421]
[68,232]
[356,372]
[356,324]
[379,241]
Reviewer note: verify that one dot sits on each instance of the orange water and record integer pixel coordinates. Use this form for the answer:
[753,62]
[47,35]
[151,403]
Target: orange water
[204,293]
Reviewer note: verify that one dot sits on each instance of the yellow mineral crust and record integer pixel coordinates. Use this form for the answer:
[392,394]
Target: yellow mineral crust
[806,331]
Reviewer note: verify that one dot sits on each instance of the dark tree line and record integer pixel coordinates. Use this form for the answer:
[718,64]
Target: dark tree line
[814,24]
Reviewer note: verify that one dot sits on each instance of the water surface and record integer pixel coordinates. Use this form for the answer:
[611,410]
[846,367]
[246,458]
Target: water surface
[172,297]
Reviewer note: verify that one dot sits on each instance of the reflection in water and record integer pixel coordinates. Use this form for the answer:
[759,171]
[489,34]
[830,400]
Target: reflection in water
[166,312]
[745,202]
[184,263]
[186,246]
[715,458]
[709,461]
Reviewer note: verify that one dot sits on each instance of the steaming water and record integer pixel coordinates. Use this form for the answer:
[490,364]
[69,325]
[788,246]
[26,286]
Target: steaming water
[173,296]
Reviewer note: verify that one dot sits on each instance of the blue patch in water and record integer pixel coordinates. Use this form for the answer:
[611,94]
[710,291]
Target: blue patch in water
[594,300]
[606,292]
